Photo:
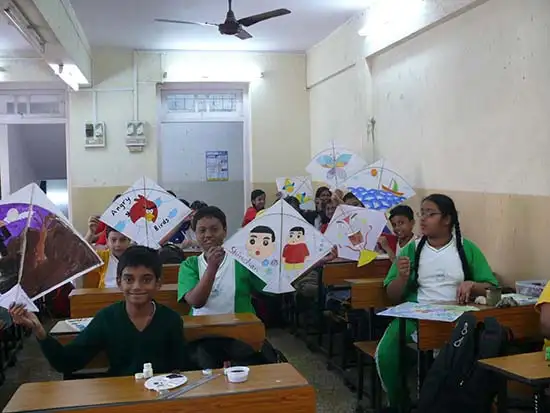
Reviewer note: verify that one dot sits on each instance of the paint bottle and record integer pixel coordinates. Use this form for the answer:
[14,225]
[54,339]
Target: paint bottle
[147,370]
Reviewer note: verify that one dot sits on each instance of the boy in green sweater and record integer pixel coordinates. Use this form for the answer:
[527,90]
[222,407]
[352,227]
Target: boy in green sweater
[132,332]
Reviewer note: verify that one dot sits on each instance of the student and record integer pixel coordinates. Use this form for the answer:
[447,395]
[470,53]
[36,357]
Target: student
[117,244]
[352,200]
[329,208]
[96,229]
[543,306]
[402,221]
[214,283]
[131,332]
[440,267]
[258,204]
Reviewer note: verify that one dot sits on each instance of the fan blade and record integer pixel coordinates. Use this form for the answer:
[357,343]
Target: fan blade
[250,20]
[243,34]
[185,22]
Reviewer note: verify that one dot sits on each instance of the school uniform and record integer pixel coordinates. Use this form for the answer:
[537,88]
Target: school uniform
[107,272]
[111,330]
[231,291]
[544,299]
[439,275]
[249,216]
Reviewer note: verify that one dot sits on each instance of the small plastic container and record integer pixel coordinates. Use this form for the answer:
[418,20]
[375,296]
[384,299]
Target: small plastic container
[147,370]
[237,374]
[531,288]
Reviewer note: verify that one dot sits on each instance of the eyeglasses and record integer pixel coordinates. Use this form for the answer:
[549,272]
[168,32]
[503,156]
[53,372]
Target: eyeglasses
[427,214]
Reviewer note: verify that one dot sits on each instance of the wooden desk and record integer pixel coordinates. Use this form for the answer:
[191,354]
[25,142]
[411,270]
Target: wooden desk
[336,273]
[86,302]
[244,327]
[194,252]
[530,369]
[523,321]
[368,293]
[270,389]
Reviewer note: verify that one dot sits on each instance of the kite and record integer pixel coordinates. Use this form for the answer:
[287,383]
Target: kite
[146,213]
[355,231]
[334,165]
[40,250]
[278,247]
[299,187]
[379,186]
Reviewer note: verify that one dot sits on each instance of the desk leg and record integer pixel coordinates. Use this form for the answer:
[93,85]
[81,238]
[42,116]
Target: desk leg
[539,401]
[502,398]
[320,308]
[403,362]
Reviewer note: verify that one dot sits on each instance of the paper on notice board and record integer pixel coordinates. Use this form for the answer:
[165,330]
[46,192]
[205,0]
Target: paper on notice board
[217,166]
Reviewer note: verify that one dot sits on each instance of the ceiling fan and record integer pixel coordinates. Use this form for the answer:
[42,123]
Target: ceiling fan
[233,27]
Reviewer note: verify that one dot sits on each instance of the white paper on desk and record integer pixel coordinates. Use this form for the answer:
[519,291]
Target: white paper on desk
[78,324]
[19,296]
[433,312]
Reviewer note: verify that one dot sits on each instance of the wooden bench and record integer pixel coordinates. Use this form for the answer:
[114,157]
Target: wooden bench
[270,389]
[337,272]
[169,276]
[244,327]
[368,293]
[86,302]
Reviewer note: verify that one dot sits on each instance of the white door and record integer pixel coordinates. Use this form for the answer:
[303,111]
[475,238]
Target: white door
[183,152]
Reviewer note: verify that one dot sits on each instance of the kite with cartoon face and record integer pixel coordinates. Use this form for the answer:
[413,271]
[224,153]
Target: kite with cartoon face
[261,243]
[295,252]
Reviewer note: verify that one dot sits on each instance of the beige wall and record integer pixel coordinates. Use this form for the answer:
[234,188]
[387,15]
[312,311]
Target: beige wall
[279,121]
[462,109]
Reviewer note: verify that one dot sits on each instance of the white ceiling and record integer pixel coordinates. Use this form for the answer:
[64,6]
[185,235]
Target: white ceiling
[130,23]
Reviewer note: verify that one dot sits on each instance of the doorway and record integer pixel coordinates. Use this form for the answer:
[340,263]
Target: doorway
[187,148]
[33,152]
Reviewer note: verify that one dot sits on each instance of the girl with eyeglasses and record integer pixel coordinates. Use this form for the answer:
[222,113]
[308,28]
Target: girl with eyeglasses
[442,266]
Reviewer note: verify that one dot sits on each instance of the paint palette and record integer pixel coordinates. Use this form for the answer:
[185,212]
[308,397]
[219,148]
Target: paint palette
[165,382]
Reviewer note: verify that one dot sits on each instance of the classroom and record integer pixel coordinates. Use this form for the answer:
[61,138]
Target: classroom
[278,180]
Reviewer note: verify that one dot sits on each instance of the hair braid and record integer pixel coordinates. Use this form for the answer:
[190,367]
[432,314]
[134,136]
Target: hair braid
[416,262]
[461,253]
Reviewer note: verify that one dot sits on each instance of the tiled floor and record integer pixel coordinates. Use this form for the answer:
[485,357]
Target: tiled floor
[332,395]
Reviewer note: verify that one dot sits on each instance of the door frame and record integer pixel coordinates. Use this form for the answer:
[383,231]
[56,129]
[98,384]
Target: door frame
[244,119]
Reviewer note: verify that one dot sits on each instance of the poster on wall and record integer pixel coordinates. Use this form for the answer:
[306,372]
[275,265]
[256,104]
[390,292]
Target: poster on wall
[217,166]
[39,249]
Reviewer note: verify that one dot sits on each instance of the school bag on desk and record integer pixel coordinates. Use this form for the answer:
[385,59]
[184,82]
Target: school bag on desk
[455,382]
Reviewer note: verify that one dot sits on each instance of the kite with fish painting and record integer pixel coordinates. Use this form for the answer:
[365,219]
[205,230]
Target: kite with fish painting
[300,187]
[146,213]
[334,165]
[278,247]
[40,251]
[355,231]
[379,186]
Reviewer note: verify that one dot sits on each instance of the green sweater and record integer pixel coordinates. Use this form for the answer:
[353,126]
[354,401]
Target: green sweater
[111,330]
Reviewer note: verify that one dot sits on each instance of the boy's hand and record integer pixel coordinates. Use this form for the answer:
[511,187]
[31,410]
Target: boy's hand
[22,317]
[214,257]
[383,241]
[93,223]
[464,292]
[404,267]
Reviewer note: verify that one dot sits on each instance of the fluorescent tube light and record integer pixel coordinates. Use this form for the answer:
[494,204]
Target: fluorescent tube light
[22,24]
[70,74]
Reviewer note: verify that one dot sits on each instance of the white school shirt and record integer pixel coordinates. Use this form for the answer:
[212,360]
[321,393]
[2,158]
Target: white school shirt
[217,302]
[110,273]
[439,273]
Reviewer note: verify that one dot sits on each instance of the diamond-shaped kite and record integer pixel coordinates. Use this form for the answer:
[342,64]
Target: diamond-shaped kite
[278,247]
[299,187]
[145,213]
[40,250]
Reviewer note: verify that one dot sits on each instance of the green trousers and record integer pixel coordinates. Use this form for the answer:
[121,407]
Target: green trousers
[388,362]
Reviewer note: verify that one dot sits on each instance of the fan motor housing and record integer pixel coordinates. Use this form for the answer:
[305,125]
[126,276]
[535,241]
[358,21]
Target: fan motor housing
[229,28]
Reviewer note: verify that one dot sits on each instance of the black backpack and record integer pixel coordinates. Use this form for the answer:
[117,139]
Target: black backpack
[212,352]
[171,254]
[455,382]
